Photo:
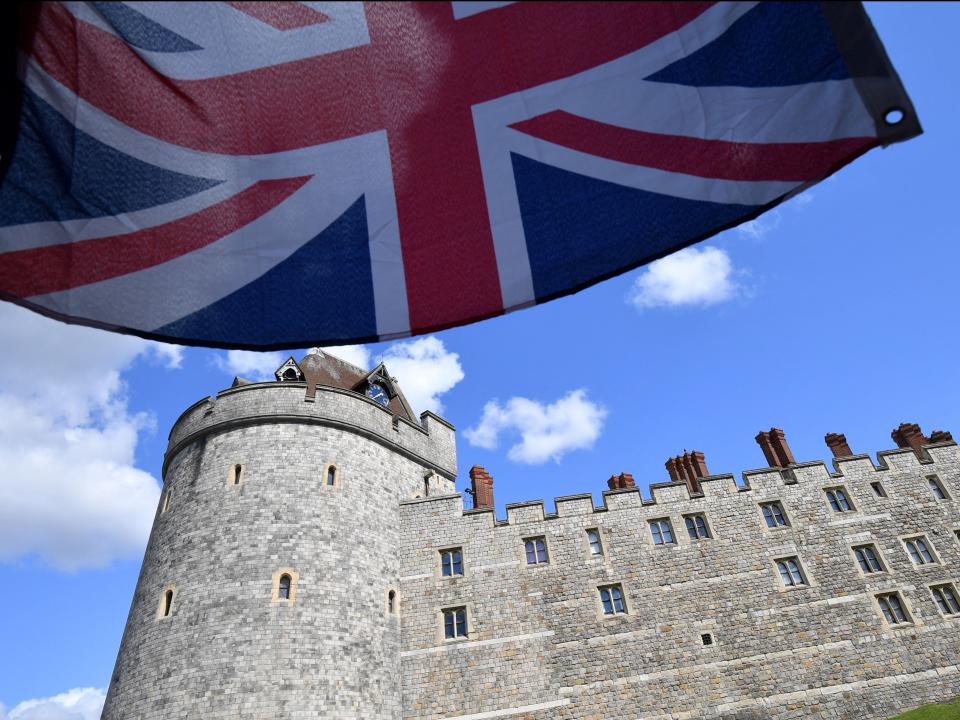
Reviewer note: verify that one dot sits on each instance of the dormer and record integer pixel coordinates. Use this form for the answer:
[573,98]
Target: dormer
[382,388]
[289,371]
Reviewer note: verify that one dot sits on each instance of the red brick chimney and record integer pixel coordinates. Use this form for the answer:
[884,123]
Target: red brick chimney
[938,436]
[908,435]
[621,482]
[775,448]
[481,487]
[837,442]
[688,468]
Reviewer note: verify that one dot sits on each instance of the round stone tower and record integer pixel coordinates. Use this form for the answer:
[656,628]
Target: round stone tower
[269,585]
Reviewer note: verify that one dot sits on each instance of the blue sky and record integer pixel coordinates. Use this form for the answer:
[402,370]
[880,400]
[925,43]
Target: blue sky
[835,313]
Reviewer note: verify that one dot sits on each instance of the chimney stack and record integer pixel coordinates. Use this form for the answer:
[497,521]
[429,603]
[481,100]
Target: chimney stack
[775,448]
[938,436]
[908,435]
[837,442]
[688,468]
[622,481]
[481,487]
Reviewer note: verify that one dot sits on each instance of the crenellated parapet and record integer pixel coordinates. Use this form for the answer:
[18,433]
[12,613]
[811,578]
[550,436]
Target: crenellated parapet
[431,442]
[859,471]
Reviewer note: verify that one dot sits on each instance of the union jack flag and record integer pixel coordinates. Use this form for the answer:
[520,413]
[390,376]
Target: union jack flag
[268,175]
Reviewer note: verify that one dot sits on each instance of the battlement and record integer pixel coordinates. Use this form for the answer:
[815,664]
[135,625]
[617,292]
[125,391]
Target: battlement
[766,482]
[431,442]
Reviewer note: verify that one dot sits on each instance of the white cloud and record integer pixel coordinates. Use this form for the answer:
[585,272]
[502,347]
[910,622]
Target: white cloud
[761,226]
[425,369]
[692,276]
[69,492]
[547,432]
[170,355]
[251,365]
[357,355]
[76,704]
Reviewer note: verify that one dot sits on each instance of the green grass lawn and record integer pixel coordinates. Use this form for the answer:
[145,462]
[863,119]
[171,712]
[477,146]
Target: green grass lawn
[933,712]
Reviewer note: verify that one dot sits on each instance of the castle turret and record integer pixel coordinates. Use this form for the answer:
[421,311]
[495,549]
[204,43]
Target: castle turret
[270,582]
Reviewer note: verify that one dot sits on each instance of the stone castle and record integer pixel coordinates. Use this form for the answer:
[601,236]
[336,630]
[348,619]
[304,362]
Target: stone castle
[310,558]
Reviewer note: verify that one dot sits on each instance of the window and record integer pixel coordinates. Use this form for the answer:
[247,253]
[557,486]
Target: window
[957,533]
[392,602]
[661,531]
[236,474]
[837,497]
[331,475]
[878,489]
[536,549]
[167,603]
[451,562]
[696,526]
[455,623]
[285,585]
[790,572]
[946,599]
[426,487]
[773,515]
[937,487]
[919,551]
[892,608]
[593,537]
[706,639]
[166,500]
[867,559]
[611,598]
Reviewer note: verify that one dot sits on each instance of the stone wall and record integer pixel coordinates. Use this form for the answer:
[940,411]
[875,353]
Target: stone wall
[229,647]
[539,645]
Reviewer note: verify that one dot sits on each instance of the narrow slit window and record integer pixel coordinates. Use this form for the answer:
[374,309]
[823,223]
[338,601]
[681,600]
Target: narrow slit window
[611,598]
[878,489]
[536,551]
[166,500]
[283,592]
[593,537]
[426,487]
[167,603]
[455,623]
[332,475]
[937,487]
[392,602]
[946,599]
[892,608]
[237,473]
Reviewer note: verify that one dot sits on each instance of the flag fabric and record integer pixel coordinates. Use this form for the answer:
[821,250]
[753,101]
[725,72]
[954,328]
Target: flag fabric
[270,175]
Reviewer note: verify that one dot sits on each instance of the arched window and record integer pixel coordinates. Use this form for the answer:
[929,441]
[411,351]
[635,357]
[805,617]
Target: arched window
[166,603]
[392,602]
[331,475]
[284,591]
[290,374]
